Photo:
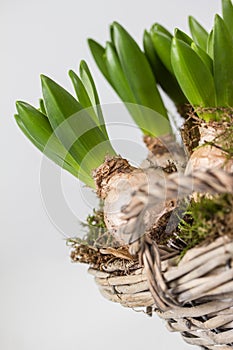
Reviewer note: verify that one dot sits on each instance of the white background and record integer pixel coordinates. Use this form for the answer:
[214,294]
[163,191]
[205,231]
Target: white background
[45,301]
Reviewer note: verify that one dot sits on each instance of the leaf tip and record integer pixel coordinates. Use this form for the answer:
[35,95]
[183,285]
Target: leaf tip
[176,31]
[20,105]
[155,27]
[108,45]
[17,103]
[217,18]
[116,27]
[145,33]
[16,116]
[83,66]
[115,24]
[191,20]
[71,73]
[44,80]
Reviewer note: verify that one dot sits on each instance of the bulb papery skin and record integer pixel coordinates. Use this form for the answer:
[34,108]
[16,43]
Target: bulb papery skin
[211,152]
[121,187]
[116,180]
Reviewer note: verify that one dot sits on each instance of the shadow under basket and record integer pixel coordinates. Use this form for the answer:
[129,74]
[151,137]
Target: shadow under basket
[195,293]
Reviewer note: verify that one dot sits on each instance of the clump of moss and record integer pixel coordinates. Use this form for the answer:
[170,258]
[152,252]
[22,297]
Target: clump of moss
[88,248]
[99,247]
[201,221]
[96,235]
[205,219]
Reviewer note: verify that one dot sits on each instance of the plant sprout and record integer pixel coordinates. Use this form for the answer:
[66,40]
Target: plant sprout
[192,70]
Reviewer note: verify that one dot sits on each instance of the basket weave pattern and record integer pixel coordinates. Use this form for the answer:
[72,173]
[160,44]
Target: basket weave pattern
[194,295]
[199,287]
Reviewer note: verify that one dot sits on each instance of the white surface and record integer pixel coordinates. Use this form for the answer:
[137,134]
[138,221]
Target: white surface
[47,302]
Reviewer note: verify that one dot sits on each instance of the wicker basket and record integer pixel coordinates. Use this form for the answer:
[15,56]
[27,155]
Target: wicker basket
[199,289]
[193,294]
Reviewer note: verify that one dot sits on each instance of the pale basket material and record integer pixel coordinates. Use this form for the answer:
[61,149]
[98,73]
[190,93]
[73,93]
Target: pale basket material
[200,287]
[194,295]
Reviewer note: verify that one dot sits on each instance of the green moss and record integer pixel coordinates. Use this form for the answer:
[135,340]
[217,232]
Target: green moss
[205,219]
[200,221]
[96,220]
[96,235]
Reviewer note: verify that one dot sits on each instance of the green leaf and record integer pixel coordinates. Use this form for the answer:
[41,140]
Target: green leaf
[98,53]
[193,75]
[119,71]
[203,56]
[227,11]
[88,82]
[162,44]
[90,87]
[183,36]
[123,89]
[111,31]
[82,95]
[159,28]
[117,75]
[210,44]
[223,63]
[74,127]
[139,75]
[199,34]
[151,53]
[109,64]
[55,157]
[137,71]
[166,80]
[42,106]
[80,90]
[59,103]
[36,127]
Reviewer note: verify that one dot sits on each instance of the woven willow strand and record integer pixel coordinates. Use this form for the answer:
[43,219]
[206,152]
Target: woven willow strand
[194,295]
[203,320]
[176,187]
[211,182]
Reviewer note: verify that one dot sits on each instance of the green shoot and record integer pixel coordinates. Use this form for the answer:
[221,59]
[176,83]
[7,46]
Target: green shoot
[164,78]
[223,59]
[206,59]
[199,34]
[183,36]
[71,133]
[193,76]
[227,12]
[127,69]
[162,44]
[36,127]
